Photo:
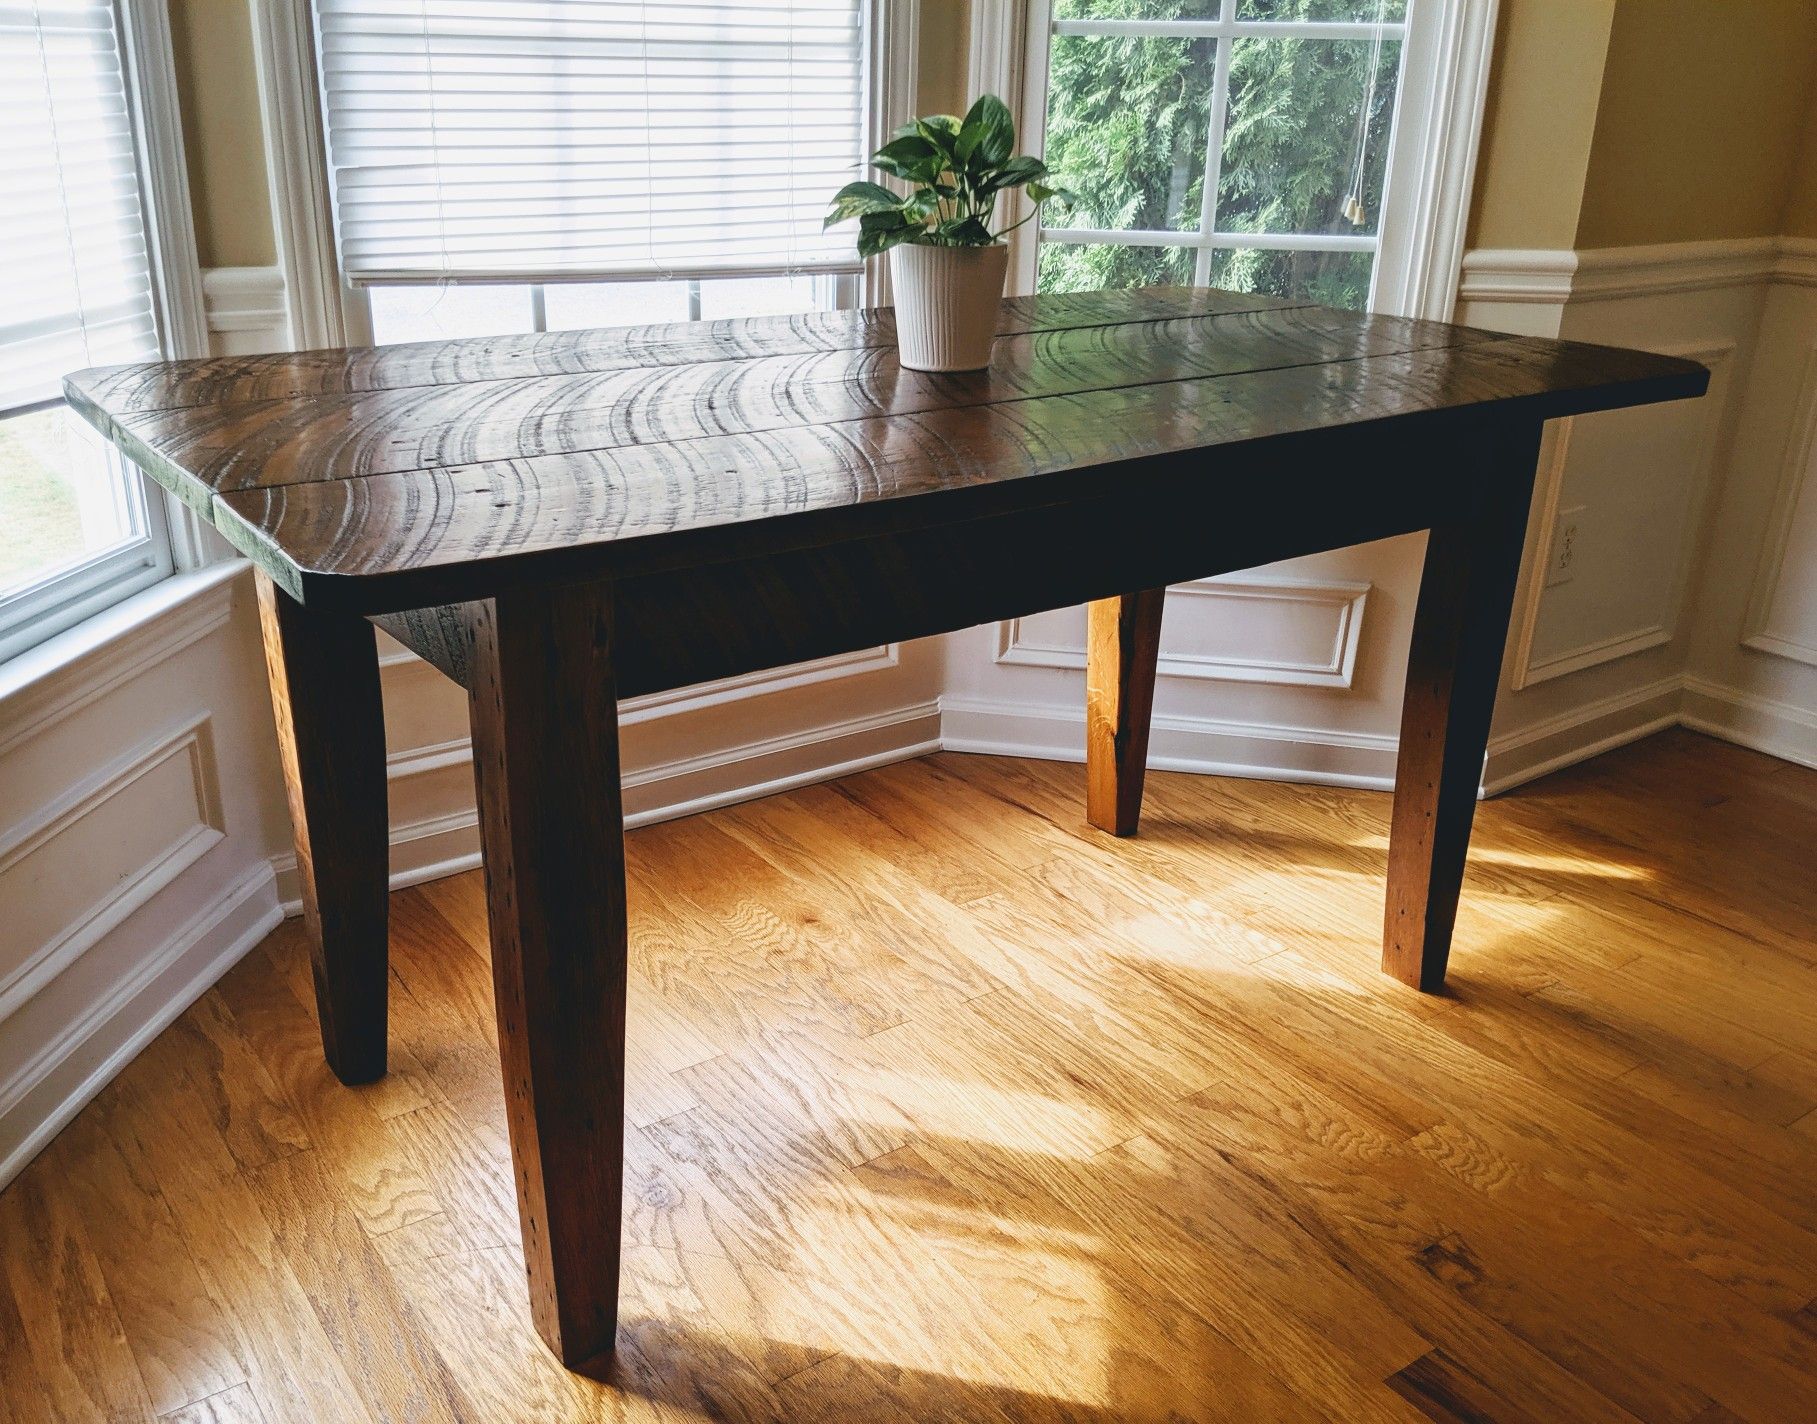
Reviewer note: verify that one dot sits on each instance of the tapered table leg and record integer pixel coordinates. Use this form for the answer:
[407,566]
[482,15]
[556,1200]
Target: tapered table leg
[1123,641]
[545,755]
[324,674]
[1460,627]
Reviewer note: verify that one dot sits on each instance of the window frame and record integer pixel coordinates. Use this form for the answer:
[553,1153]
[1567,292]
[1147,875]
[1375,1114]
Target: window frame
[325,310]
[172,536]
[1436,130]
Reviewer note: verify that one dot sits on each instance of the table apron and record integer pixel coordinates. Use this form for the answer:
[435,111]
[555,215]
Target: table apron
[679,627]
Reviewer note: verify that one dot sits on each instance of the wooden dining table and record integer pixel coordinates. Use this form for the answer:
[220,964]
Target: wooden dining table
[563,519]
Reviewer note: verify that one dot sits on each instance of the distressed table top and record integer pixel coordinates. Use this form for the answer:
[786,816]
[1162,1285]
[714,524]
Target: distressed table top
[379,478]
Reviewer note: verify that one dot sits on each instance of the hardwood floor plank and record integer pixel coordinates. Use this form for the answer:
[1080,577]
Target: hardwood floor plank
[945,1106]
[231,1406]
[372,1329]
[179,1334]
[77,1365]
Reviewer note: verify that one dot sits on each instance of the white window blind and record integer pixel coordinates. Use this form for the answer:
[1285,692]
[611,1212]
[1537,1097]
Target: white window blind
[75,280]
[493,139]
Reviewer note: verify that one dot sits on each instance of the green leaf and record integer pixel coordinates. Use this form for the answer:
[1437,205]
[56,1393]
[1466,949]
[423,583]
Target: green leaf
[881,238]
[920,205]
[1042,193]
[1017,172]
[856,199]
[911,157]
[965,232]
[988,135]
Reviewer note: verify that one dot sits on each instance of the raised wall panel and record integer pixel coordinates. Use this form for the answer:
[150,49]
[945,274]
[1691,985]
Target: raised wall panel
[1643,478]
[1782,611]
[1233,628]
[89,859]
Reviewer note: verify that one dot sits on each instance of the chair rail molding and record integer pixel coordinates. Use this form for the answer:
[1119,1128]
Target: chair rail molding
[247,300]
[1559,275]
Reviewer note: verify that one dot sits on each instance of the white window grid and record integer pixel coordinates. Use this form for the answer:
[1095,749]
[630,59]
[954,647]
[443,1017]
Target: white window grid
[1206,240]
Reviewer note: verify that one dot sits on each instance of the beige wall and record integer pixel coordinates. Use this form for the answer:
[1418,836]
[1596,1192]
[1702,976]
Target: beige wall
[1539,121]
[940,67]
[219,93]
[1700,121]
[1800,218]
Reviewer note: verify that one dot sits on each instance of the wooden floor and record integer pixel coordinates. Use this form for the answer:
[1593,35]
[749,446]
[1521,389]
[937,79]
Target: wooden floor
[946,1108]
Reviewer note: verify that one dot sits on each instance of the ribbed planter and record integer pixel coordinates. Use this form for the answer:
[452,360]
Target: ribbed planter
[946,304]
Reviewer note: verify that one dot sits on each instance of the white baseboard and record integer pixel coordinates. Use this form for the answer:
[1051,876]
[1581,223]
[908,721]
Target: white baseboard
[60,1079]
[1580,734]
[1776,728]
[448,844]
[1202,745]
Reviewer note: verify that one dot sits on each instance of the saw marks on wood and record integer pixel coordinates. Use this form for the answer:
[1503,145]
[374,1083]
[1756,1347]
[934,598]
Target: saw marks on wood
[943,1106]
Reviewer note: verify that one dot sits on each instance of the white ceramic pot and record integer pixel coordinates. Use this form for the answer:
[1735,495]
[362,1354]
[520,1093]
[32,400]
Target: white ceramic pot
[946,304]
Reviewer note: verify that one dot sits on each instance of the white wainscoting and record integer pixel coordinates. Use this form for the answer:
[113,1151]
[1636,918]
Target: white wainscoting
[1692,595]
[1294,632]
[135,775]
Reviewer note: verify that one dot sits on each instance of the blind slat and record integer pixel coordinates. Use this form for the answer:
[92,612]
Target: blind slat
[75,287]
[531,138]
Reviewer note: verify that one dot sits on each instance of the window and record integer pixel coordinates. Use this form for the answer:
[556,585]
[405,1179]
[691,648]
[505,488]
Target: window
[532,165]
[77,527]
[1231,143]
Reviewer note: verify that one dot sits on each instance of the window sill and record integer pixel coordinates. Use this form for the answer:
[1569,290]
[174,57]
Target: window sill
[65,672]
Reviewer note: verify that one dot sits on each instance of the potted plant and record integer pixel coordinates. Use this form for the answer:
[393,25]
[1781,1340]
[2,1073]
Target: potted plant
[946,263]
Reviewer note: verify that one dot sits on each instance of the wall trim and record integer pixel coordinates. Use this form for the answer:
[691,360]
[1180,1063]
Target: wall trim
[1758,723]
[120,900]
[1559,275]
[447,844]
[1439,128]
[246,299]
[170,216]
[1205,745]
[1347,596]
[1594,654]
[701,696]
[60,676]
[1796,465]
[1715,352]
[60,1079]
[1516,758]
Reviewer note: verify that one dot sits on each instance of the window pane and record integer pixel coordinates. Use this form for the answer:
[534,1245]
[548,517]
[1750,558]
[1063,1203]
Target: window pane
[1135,9]
[1363,11]
[1086,267]
[567,305]
[441,313]
[1331,279]
[1292,145]
[764,296]
[1127,120]
[61,498]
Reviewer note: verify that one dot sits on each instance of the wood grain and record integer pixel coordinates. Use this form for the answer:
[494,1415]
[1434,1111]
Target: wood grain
[1122,643]
[1123,1182]
[1460,626]
[545,757]
[324,676]
[395,480]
